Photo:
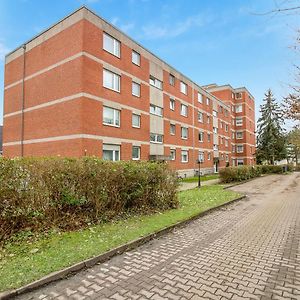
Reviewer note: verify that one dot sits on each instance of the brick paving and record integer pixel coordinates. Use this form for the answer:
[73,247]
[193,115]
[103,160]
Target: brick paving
[247,250]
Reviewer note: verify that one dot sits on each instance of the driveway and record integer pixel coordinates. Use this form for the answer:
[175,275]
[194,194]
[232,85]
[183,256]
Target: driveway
[248,250]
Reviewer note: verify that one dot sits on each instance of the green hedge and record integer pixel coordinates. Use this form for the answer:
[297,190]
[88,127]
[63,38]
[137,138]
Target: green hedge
[241,173]
[41,194]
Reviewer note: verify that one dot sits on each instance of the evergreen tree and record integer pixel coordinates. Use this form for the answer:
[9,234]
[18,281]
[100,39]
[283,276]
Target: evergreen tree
[271,142]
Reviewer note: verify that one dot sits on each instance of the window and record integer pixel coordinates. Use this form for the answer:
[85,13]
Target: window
[136,153]
[226,158]
[240,162]
[111,80]
[215,114]
[216,147]
[208,156]
[171,79]
[238,121]
[136,89]
[233,149]
[183,88]
[136,58]
[200,116]
[172,129]
[215,130]
[155,82]
[239,148]
[226,112]
[232,135]
[184,132]
[208,119]
[239,134]
[221,109]
[222,156]
[226,143]
[184,156]
[201,136]
[208,137]
[238,108]
[111,45]
[221,124]
[111,152]
[136,121]
[156,110]
[172,104]
[238,95]
[172,154]
[201,156]
[183,110]
[199,98]
[156,138]
[111,116]
[207,101]
[226,127]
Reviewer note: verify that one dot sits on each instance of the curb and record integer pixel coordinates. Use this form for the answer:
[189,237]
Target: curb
[107,255]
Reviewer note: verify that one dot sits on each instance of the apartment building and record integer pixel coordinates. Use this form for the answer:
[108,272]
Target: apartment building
[242,108]
[1,129]
[82,87]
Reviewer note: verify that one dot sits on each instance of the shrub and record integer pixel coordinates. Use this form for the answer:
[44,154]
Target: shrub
[40,194]
[240,173]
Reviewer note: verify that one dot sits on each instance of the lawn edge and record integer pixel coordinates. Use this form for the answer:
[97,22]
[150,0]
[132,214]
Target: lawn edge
[85,264]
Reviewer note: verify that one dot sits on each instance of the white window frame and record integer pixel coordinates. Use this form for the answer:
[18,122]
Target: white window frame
[156,138]
[183,87]
[173,154]
[239,122]
[200,98]
[171,79]
[239,108]
[215,130]
[239,148]
[116,45]
[114,149]
[139,121]
[238,95]
[201,136]
[239,135]
[184,133]
[226,143]
[183,110]
[116,81]
[136,58]
[208,155]
[226,127]
[172,104]
[200,116]
[116,120]
[139,153]
[207,101]
[135,84]
[171,131]
[156,110]
[215,113]
[155,82]
[184,153]
[239,161]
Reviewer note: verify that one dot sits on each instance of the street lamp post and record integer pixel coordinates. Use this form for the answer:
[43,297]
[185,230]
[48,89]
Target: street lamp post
[199,171]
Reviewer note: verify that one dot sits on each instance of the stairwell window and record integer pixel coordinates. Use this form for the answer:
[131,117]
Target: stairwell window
[172,104]
[201,136]
[111,116]
[156,110]
[111,80]
[156,138]
[200,97]
[200,116]
[111,44]
[155,82]
[172,154]
[136,121]
[172,129]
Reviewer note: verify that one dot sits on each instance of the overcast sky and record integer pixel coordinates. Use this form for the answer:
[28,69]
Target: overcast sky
[210,41]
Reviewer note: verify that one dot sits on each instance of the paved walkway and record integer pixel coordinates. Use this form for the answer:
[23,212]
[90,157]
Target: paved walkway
[191,185]
[248,250]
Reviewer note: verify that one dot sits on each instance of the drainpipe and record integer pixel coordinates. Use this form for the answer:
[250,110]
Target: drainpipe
[23,101]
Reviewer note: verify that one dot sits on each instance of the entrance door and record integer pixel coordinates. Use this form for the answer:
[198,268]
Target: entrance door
[216,166]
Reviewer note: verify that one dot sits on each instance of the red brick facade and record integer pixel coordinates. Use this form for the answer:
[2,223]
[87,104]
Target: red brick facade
[54,102]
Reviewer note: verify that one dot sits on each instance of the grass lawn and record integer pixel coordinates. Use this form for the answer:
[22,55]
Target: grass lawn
[203,178]
[26,262]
